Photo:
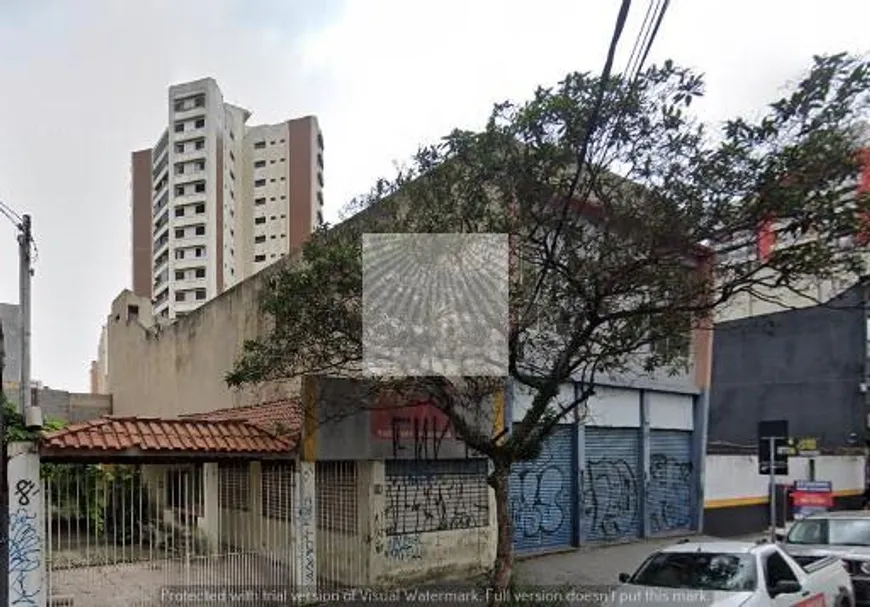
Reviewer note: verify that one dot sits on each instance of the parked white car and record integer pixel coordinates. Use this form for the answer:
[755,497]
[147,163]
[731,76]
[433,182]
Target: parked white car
[734,574]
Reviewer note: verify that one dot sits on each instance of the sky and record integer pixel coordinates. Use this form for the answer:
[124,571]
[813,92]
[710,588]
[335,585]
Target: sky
[84,82]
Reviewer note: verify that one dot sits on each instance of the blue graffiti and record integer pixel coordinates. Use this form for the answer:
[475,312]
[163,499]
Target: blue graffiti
[24,557]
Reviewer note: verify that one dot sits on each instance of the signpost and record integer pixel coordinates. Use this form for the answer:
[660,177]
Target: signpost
[773,449]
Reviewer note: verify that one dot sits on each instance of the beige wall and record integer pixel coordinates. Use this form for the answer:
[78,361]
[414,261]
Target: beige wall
[171,369]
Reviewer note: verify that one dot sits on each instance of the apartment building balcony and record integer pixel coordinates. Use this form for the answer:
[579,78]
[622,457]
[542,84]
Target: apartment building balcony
[190,177]
[188,134]
[190,156]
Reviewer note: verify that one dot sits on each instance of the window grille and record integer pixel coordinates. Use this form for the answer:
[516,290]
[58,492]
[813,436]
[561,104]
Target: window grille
[233,487]
[336,496]
[278,484]
[424,496]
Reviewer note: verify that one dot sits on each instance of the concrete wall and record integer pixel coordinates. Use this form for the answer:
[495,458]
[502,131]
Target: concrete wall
[736,495]
[803,365]
[69,407]
[168,370]
[356,422]
[415,557]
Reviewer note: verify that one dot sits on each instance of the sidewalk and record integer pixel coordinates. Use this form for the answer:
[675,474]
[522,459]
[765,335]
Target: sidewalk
[598,566]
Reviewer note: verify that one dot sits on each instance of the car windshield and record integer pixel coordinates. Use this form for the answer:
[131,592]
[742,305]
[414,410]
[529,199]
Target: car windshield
[698,571]
[832,532]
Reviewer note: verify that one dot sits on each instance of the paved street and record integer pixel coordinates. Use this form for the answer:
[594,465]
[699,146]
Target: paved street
[592,566]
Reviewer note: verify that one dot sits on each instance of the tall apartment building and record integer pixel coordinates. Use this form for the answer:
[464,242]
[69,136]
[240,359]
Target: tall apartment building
[216,200]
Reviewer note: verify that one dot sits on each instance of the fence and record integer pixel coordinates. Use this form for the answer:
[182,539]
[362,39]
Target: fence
[126,535]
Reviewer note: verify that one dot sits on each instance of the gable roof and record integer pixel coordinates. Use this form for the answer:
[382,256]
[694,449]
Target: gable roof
[149,435]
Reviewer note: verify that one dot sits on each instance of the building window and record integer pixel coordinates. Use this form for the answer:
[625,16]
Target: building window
[179,211]
[179,169]
[200,123]
[200,144]
[179,190]
[200,209]
[282,179]
[179,148]
[179,127]
[259,201]
[179,233]
[259,164]
[179,106]
[200,187]
[200,272]
[179,296]
[260,220]
[259,239]
[200,230]
[282,160]
[200,165]
[259,145]
[179,275]
[259,183]
[272,180]
[200,101]
[199,251]
[179,254]
[259,258]
[232,176]
[200,294]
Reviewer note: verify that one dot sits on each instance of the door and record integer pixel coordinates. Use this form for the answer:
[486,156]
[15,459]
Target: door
[610,485]
[672,490]
[541,495]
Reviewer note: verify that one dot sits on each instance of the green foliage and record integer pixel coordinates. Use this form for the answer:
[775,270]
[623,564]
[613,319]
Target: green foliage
[614,258]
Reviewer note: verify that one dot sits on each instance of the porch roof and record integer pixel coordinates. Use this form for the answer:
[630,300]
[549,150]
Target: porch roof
[150,436]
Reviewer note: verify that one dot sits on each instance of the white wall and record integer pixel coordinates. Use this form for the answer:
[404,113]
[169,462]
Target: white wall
[613,407]
[733,477]
[671,411]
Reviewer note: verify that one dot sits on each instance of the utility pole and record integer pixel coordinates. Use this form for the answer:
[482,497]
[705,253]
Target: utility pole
[25,239]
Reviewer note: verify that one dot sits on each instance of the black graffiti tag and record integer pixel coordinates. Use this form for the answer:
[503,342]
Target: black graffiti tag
[23,490]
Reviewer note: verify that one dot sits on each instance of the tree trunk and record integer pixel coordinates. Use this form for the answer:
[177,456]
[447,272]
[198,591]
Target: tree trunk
[504,552]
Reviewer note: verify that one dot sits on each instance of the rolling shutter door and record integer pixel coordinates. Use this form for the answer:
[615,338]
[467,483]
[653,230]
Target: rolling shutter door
[610,484]
[671,495]
[541,495]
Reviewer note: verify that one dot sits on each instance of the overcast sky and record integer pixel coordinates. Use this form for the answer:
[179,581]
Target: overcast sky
[83,83]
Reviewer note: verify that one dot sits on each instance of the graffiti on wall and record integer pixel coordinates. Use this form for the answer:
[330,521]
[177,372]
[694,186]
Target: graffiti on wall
[408,547]
[610,498]
[25,554]
[437,501]
[669,498]
[540,498]
[306,523]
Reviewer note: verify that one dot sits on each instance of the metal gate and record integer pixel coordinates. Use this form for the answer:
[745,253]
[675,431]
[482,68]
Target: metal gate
[541,491]
[610,484]
[672,485]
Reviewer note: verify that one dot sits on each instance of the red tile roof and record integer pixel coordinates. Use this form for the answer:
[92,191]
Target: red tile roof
[281,417]
[175,435]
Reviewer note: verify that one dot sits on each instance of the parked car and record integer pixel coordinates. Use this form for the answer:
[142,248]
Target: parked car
[843,534]
[748,574]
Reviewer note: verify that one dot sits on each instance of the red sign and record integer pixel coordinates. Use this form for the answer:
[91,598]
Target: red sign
[805,499]
[392,421]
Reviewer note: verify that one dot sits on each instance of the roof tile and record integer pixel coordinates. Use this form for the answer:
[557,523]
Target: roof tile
[225,435]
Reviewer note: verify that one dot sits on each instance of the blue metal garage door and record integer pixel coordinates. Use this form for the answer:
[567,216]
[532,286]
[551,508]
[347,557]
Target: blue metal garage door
[610,485]
[542,504]
[672,482]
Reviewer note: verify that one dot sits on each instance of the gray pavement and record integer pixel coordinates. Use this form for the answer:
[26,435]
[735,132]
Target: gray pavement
[597,566]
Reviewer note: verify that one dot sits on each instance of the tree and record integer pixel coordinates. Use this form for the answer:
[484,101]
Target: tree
[628,226]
